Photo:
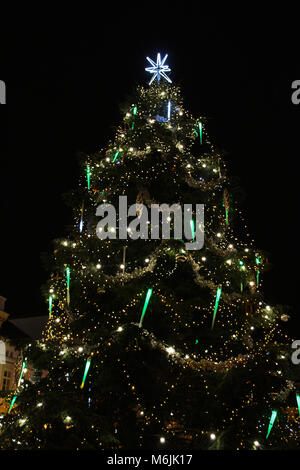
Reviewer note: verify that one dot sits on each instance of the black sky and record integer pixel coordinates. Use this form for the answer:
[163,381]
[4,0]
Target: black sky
[65,82]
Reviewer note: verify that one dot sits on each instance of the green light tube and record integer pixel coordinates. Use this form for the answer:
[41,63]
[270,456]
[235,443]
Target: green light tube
[257,260]
[298,401]
[68,284]
[149,293]
[192,225]
[22,372]
[226,214]
[50,305]
[87,366]
[219,291]
[12,403]
[68,277]
[272,420]
[88,176]
[134,111]
[200,132]
[116,156]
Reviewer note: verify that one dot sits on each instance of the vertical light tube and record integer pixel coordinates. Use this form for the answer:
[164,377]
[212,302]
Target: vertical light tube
[68,284]
[200,131]
[169,110]
[149,293]
[87,366]
[50,306]
[88,176]
[272,420]
[219,291]
[22,372]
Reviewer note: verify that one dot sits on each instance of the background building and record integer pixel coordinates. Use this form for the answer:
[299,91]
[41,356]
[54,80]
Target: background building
[10,357]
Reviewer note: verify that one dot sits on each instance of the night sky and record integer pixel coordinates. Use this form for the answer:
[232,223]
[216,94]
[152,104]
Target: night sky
[65,82]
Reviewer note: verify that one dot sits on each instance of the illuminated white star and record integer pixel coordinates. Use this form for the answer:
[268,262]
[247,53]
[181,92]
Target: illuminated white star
[158,69]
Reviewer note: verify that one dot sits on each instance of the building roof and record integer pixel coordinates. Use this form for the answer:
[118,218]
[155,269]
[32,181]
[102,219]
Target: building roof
[10,331]
[18,328]
[31,327]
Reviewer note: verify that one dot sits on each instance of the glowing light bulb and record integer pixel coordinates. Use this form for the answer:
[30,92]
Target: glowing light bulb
[170,350]
[212,436]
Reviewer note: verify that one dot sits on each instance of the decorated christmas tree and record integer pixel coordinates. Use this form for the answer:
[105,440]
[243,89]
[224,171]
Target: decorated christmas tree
[159,336]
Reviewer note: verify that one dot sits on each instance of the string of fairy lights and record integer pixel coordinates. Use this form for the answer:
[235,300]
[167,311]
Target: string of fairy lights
[230,269]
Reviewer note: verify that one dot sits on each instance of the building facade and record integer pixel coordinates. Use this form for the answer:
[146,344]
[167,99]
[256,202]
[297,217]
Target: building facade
[10,357]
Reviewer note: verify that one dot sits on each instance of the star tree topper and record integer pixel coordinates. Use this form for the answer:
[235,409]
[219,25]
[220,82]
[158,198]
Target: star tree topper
[158,69]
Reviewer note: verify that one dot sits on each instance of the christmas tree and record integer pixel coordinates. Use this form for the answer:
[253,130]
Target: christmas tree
[152,343]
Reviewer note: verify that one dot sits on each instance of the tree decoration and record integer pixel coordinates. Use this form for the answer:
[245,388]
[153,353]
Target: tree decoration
[50,305]
[68,284]
[226,199]
[200,126]
[81,218]
[218,295]
[192,226]
[169,110]
[272,420]
[124,257]
[298,401]
[149,293]
[22,372]
[87,366]
[257,261]
[158,69]
[12,403]
[88,176]
[181,257]
[116,156]
[284,317]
